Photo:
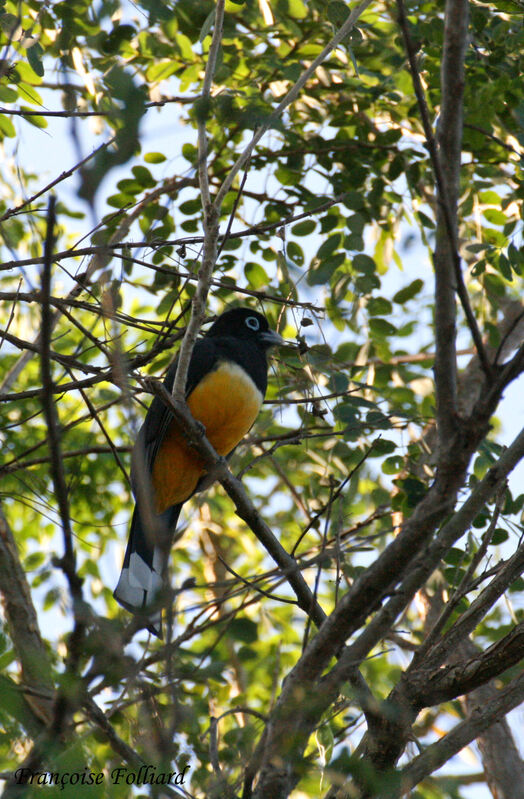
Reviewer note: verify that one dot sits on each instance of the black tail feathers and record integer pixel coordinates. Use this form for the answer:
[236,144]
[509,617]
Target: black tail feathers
[142,576]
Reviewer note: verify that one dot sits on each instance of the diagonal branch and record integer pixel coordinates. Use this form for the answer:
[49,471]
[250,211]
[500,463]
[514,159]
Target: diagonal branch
[290,97]
[467,622]
[429,558]
[457,679]
[245,509]
[292,721]
[465,583]
[460,736]
[63,176]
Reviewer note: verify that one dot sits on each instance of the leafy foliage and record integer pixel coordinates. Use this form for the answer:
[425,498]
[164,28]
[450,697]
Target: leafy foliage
[329,228]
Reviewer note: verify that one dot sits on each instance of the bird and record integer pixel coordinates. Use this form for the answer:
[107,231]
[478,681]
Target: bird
[226,384]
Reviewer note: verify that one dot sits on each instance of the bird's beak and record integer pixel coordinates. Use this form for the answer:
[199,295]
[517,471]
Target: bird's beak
[273,339]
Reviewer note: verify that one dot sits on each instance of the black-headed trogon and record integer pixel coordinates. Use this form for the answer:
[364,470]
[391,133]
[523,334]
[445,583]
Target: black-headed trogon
[226,383]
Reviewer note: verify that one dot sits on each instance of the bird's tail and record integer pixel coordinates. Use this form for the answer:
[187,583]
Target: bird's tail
[142,576]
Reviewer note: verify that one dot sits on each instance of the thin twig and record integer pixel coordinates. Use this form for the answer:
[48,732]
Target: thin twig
[53,426]
[59,179]
[464,583]
[211,215]
[467,622]
[15,465]
[225,237]
[290,97]
[251,585]
[253,230]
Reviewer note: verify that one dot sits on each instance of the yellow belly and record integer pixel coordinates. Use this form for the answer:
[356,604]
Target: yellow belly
[226,402]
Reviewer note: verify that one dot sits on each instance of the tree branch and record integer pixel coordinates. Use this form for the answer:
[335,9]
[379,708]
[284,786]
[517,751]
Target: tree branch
[291,721]
[290,97]
[465,582]
[457,679]
[23,627]
[446,167]
[211,217]
[443,750]
[53,425]
[503,765]
[110,247]
[467,622]
[60,178]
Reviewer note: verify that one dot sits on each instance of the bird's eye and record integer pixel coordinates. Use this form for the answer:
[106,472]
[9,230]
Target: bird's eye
[253,323]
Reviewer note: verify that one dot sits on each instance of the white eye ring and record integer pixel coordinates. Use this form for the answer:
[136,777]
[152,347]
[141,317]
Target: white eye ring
[253,323]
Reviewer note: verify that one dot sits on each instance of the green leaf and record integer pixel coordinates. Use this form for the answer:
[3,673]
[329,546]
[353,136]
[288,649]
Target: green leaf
[408,292]
[354,200]
[161,70]
[454,574]
[34,56]
[495,217]
[8,22]
[154,158]
[34,561]
[128,186]
[356,223]
[8,95]
[455,556]
[202,109]
[116,37]
[489,197]
[337,12]
[350,52]
[190,207]
[118,200]
[393,465]
[499,536]
[256,275]
[7,127]
[287,177]
[295,253]
[185,47]
[381,327]
[425,220]
[363,263]
[243,629]
[144,176]
[320,272]
[494,284]
[346,413]
[304,228]
[34,119]
[379,306]
[504,266]
[208,25]
[329,246]
[26,73]
[297,9]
